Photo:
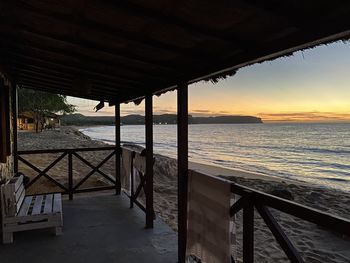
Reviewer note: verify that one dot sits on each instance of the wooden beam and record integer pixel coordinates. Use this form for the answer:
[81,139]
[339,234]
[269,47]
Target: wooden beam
[248,231]
[279,234]
[96,92]
[66,83]
[43,70]
[193,29]
[182,167]
[79,71]
[28,72]
[149,160]
[26,13]
[118,148]
[3,123]
[87,57]
[44,78]
[81,64]
[14,104]
[66,92]
[33,81]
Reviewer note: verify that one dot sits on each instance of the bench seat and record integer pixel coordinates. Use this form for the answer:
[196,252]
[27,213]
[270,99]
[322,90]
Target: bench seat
[22,212]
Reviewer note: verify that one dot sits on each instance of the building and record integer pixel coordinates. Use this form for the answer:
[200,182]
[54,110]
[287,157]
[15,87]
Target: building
[26,121]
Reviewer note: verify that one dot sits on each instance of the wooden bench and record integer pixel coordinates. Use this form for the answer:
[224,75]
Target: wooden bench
[20,212]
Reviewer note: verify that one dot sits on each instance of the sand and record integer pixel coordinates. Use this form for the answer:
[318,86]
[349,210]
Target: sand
[315,244]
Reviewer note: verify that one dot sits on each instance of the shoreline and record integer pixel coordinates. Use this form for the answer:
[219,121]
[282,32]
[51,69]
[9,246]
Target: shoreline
[303,164]
[314,243]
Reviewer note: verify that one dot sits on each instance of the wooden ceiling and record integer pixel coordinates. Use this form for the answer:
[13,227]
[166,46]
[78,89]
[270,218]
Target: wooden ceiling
[122,50]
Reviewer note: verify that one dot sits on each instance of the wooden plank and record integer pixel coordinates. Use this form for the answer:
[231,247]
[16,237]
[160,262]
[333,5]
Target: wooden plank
[48,204]
[93,167]
[30,218]
[57,203]
[2,203]
[332,222]
[18,182]
[3,150]
[149,160]
[31,226]
[20,201]
[9,199]
[37,205]
[93,170]
[87,149]
[117,145]
[19,192]
[280,236]
[25,206]
[248,232]
[14,126]
[237,206]
[182,164]
[70,175]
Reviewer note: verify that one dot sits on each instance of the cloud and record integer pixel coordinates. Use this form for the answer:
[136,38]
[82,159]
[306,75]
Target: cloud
[201,111]
[305,116]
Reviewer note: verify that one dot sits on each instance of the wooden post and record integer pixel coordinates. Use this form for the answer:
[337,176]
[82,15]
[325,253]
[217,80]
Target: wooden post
[248,231]
[149,160]
[14,126]
[118,149]
[182,166]
[132,191]
[70,175]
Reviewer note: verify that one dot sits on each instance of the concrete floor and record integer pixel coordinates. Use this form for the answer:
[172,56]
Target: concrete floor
[96,229]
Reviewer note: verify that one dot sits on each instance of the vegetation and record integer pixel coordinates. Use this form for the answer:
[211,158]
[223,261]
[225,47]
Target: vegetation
[40,102]
[81,120]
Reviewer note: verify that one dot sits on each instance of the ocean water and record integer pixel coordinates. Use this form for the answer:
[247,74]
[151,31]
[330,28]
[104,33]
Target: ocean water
[315,153]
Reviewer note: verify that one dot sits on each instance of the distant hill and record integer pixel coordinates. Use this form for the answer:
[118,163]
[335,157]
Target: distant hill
[82,120]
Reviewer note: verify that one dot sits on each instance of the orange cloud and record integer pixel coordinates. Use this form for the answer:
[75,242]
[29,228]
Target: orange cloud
[305,116]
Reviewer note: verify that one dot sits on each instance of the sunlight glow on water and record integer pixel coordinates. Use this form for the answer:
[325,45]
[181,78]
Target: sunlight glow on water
[315,153]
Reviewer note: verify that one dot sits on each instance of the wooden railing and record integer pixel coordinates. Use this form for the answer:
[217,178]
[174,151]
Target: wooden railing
[137,187]
[71,188]
[252,199]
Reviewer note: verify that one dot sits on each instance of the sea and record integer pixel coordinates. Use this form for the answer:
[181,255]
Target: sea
[316,153]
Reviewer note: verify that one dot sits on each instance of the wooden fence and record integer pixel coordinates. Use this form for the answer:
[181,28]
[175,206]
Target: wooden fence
[262,202]
[138,181]
[72,188]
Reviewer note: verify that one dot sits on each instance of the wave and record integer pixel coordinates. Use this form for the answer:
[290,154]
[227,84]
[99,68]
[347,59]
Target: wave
[319,155]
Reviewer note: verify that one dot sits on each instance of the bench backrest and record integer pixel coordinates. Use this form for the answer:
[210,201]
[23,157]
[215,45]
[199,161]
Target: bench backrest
[12,196]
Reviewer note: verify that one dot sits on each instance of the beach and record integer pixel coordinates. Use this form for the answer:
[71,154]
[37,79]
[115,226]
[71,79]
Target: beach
[314,243]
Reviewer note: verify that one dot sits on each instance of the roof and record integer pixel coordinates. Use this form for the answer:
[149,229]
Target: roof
[30,114]
[122,50]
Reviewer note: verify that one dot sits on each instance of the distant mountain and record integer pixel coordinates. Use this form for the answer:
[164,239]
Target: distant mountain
[82,120]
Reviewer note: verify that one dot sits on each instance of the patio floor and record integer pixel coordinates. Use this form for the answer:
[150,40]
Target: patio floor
[96,229]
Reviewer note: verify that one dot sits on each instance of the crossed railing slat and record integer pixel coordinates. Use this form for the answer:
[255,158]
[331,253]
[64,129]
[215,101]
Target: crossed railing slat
[251,199]
[71,152]
[44,172]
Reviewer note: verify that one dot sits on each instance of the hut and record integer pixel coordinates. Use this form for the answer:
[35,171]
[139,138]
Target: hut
[26,121]
[123,51]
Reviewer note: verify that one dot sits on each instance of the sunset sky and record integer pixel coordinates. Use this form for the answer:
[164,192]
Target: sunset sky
[313,85]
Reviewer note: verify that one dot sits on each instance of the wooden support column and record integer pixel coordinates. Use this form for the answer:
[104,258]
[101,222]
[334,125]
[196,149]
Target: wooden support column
[149,161]
[70,175]
[182,166]
[118,149]
[14,104]
[248,231]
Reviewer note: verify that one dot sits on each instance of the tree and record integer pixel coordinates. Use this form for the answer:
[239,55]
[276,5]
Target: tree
[40,102]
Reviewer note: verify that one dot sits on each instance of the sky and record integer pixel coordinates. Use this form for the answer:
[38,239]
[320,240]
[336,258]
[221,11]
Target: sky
[312,85]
